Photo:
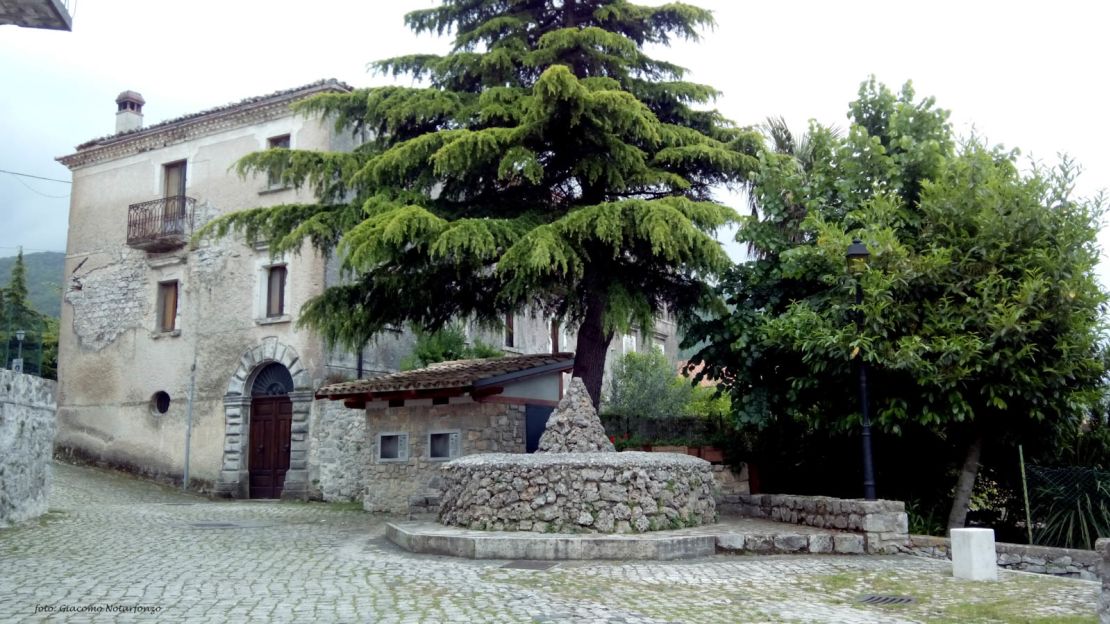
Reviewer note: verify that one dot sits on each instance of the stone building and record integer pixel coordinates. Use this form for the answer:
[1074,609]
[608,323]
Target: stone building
[416,420]
[179,359]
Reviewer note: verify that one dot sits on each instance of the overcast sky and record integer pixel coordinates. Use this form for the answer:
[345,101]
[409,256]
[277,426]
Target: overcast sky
[1026,74]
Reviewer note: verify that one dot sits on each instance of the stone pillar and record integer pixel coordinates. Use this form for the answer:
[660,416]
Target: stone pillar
[1102,547]
[234,478]
[973,555]
[296,479]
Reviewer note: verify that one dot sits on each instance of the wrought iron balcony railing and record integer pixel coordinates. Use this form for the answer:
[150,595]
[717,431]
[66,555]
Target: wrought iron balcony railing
[162,224]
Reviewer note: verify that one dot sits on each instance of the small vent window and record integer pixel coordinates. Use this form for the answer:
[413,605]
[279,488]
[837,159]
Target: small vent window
[393,447]
[443,445]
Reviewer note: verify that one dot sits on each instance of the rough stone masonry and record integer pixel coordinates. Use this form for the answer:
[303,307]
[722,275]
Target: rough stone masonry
[27,428]
[577,483]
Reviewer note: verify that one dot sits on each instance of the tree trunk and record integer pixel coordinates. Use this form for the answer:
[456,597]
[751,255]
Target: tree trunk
[965,484]
[590,351]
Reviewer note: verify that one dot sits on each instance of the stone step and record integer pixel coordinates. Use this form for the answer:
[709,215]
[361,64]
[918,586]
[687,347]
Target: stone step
[433,538]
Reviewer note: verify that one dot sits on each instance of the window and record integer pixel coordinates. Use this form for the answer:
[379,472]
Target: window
[443,445]
[167,306]
[628,343]
[393,446]
[510,331]
[275,291]
[273,179]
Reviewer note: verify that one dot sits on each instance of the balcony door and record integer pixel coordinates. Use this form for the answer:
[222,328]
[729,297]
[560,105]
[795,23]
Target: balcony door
[173,210]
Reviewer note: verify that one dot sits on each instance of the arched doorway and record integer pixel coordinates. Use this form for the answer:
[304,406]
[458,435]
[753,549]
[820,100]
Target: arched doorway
[238,401]
[270,436]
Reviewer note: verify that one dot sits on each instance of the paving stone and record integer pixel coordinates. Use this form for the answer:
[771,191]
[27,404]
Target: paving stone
[114,540]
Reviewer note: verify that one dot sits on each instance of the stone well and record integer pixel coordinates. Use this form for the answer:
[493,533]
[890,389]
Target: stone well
[576,483]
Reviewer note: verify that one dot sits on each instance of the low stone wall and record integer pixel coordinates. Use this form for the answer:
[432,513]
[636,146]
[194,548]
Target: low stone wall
[1102,548]
[27,427]
[1068,562]
[730,483]
[884,523]
[338,452]
[628,492]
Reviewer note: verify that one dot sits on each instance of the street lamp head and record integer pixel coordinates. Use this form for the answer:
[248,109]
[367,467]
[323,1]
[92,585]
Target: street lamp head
[19,334]
[857,256]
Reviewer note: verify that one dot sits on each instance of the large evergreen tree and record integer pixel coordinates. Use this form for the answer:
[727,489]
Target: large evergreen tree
[545,163]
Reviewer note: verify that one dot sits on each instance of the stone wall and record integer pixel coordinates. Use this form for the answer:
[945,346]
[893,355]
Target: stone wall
[730,484]
[884,523]
[626,492]
[1067,562]
[26,441]
[1102,547]
[338,452]
[412,485]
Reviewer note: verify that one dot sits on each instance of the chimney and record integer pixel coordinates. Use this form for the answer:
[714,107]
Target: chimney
[129,114]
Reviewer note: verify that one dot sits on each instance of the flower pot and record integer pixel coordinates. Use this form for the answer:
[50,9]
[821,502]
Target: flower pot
[712,454]
[693,450]
[669,449]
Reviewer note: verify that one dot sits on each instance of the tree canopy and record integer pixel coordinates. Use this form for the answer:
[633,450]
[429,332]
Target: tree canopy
[981,315]
[546,162]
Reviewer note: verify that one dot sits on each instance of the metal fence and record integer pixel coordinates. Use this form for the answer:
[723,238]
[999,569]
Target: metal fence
[1067,507]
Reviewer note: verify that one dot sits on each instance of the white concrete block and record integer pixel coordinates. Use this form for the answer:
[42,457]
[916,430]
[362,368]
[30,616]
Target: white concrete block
[973,555]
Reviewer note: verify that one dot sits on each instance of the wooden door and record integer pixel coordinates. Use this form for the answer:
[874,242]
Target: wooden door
[271,421]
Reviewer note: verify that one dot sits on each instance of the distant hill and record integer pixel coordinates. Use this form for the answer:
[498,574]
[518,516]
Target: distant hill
[45,276]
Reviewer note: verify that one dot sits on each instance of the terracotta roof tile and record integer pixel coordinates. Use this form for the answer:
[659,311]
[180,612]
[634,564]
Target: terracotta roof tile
[454,374]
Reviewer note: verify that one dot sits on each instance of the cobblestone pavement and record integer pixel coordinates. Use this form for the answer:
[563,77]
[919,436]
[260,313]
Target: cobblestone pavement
[113,542]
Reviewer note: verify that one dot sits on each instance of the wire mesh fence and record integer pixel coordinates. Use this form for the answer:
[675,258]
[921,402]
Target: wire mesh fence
[1068,507]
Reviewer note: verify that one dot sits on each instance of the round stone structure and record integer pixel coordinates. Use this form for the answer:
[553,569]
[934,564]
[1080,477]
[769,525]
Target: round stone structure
[628,492]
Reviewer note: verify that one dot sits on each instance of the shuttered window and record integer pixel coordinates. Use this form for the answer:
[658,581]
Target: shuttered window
[275,291]
[167,306]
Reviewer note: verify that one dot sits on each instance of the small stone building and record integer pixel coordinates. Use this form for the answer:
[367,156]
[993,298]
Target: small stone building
[416,420]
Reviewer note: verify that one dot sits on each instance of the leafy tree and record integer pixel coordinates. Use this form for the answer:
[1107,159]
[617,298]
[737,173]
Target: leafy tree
[443,345]
[546,162]
[40,331]
[644,385]
[980,316]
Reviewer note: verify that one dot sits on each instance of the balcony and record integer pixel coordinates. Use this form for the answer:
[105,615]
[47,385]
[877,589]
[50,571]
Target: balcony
[162,224]
[49,14]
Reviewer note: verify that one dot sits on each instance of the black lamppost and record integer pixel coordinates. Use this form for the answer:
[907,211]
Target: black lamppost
[857,262]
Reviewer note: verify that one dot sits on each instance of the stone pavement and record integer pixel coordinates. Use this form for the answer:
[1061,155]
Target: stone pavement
[118,549]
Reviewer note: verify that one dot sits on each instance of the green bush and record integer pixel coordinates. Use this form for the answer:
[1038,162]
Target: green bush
[444,345]
[644,385]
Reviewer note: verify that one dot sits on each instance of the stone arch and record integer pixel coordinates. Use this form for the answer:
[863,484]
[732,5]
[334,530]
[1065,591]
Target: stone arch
[234,475]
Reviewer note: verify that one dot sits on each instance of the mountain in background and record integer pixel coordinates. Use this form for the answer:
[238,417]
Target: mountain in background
[45,276]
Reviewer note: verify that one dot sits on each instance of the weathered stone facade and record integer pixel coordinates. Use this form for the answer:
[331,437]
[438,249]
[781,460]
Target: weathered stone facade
[629,492]
[1066,562]
[884,523]
[26,441]
[338,452]
[412,484]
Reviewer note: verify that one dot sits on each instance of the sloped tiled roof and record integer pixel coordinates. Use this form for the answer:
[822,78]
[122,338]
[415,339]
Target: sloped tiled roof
[461,374]
[319,85]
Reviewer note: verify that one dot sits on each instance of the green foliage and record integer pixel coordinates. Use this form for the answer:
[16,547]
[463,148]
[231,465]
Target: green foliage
[44,273]
[546,162]
[1070,506]
[644,385]
[708,403]
[40,339]
[980,314]
[980,303]
[443,345]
